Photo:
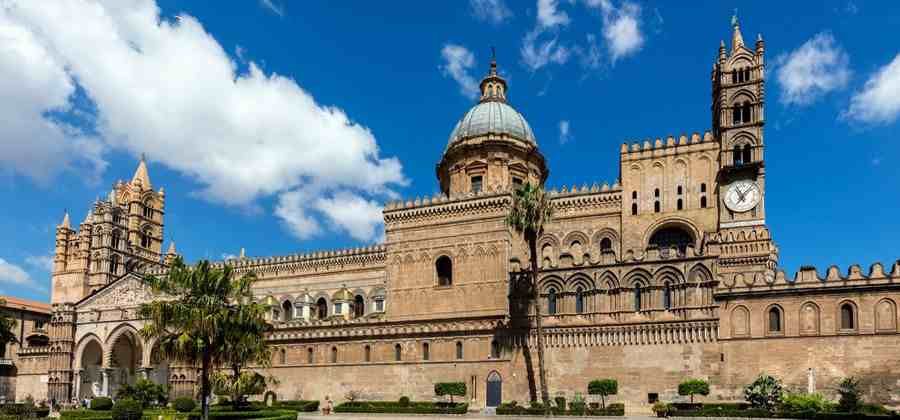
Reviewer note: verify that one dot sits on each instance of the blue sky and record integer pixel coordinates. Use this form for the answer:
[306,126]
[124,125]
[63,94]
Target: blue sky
[281,126]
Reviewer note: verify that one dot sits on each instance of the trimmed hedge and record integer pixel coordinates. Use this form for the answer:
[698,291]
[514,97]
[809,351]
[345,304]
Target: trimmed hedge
[184,404]
[617,409]
[241,415]
[305,406]
[127,409]
[762,413]
[414,407]
[101,404]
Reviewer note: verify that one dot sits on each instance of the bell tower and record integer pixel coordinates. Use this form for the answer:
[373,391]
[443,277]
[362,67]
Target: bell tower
[738,87]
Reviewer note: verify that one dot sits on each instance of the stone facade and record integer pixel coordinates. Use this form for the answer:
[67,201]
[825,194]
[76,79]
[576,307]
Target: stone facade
[668,273]
[23,363]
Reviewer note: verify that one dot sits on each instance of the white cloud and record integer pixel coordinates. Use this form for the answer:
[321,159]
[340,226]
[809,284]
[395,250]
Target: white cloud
[42,262]
[539,53]
[294,210]
[590,55]
[549,16]
[272,6]
[564,132]
[879,99]
[13,274]
[361,218]
[458,60]
[819,66]
[167,88]
[493,11]
[621,27]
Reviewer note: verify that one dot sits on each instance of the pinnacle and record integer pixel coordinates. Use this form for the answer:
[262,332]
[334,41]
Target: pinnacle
[65,221]
[141,174]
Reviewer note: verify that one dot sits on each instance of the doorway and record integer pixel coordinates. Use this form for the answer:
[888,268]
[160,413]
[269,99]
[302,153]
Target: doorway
[494,389]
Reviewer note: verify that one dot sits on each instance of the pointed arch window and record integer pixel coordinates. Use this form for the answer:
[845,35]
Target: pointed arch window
[146,238]
[848,317]
[287,311]
[334,355]
[148,209]
[367,352]
[746,113]
[116,241]
[606,245]
[703,195]
[656,206]
[495,349]
[444,268]
[747,154]
[634,203]
[114,264]
[579,300]
[398,353]
[551,302]
[310,356]
[282,356]
[426,353]
[459,350]
[321,308]
[775,321]
[359,306]
[637,297]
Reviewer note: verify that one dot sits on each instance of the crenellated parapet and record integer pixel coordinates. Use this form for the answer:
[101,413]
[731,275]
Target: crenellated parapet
[671,145]
[375,327]
[440,207]
[808,279]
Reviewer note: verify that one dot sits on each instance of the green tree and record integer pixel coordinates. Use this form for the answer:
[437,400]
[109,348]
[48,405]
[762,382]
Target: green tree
[244,344]
[144,391]
[451,389]
[197,311]
[693,387]
[530,211]
[850,395]
[765,392]
[603,388]
[7,326]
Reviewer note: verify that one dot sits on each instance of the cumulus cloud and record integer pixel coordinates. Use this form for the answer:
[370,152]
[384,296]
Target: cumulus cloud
[352,213]
[879,100]
[621,27]
[15,275]
[564,132]
[458,60]
[537,53]
[819,66]
[549,15]
[167,88]
[492,11]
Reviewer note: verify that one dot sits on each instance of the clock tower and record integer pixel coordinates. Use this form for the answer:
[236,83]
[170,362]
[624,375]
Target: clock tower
[747,253]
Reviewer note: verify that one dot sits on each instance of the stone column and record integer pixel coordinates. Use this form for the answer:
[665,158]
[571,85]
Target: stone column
[810,381]
[105,374]
[76,385]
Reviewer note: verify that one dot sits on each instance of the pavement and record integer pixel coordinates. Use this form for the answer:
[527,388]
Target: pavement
[470,416]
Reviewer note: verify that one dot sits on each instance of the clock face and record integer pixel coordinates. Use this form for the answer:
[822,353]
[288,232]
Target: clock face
[742,196]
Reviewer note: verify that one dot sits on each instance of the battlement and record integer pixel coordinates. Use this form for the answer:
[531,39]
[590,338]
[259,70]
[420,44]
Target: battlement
[301,262]
[808,278]
[639,150]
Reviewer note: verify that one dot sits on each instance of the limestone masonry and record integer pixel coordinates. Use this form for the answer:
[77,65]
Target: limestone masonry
[667,274]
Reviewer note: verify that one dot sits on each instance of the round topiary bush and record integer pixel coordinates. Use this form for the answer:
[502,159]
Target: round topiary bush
[127,409]
[101,403]
[404,401]
[184,404]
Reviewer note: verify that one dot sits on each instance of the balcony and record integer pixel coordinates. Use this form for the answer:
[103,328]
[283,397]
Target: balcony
[7,362]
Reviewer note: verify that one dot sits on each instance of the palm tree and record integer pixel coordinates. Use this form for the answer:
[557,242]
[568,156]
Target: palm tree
[244,342]
[198,311]
[530,210]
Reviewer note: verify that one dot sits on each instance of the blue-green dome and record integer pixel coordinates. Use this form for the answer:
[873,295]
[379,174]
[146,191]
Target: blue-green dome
[492,117]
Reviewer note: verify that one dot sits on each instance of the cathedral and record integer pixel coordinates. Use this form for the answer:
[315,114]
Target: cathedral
[669,273]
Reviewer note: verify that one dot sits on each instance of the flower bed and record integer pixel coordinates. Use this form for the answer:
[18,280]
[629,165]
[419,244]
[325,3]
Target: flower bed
[617,409]
[412,407]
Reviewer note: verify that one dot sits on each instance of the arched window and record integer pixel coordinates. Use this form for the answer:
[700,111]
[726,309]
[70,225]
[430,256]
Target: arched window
[359,306]
[703,202]
[116,239]
[747,74]
[667,295]
[736,156]
[680,204]
[114,264]
[146,238]
[746,113]
[287,311]
[637,298]
[736,114]
[848,317]
[656,207]
[495,349]
[634,209]
[368,353]
[579,300]
[678,190]
[703,187]
[672,236]
[444,268]
[148,209]
[703,195]
[282,356]
[117,217]
[310,358]
[775,320]
[747,155]
[734,76]
[606,245]
[459,350]
[551,301]
[425,351]
[334,355]
[321,308]
[634,205]
[476,184]
[398,353]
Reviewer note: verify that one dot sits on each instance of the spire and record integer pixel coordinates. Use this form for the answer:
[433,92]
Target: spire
[493,86]
[112,198]
[89,217]
[737,40]
[171,250]
[141,174]
[65,221]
